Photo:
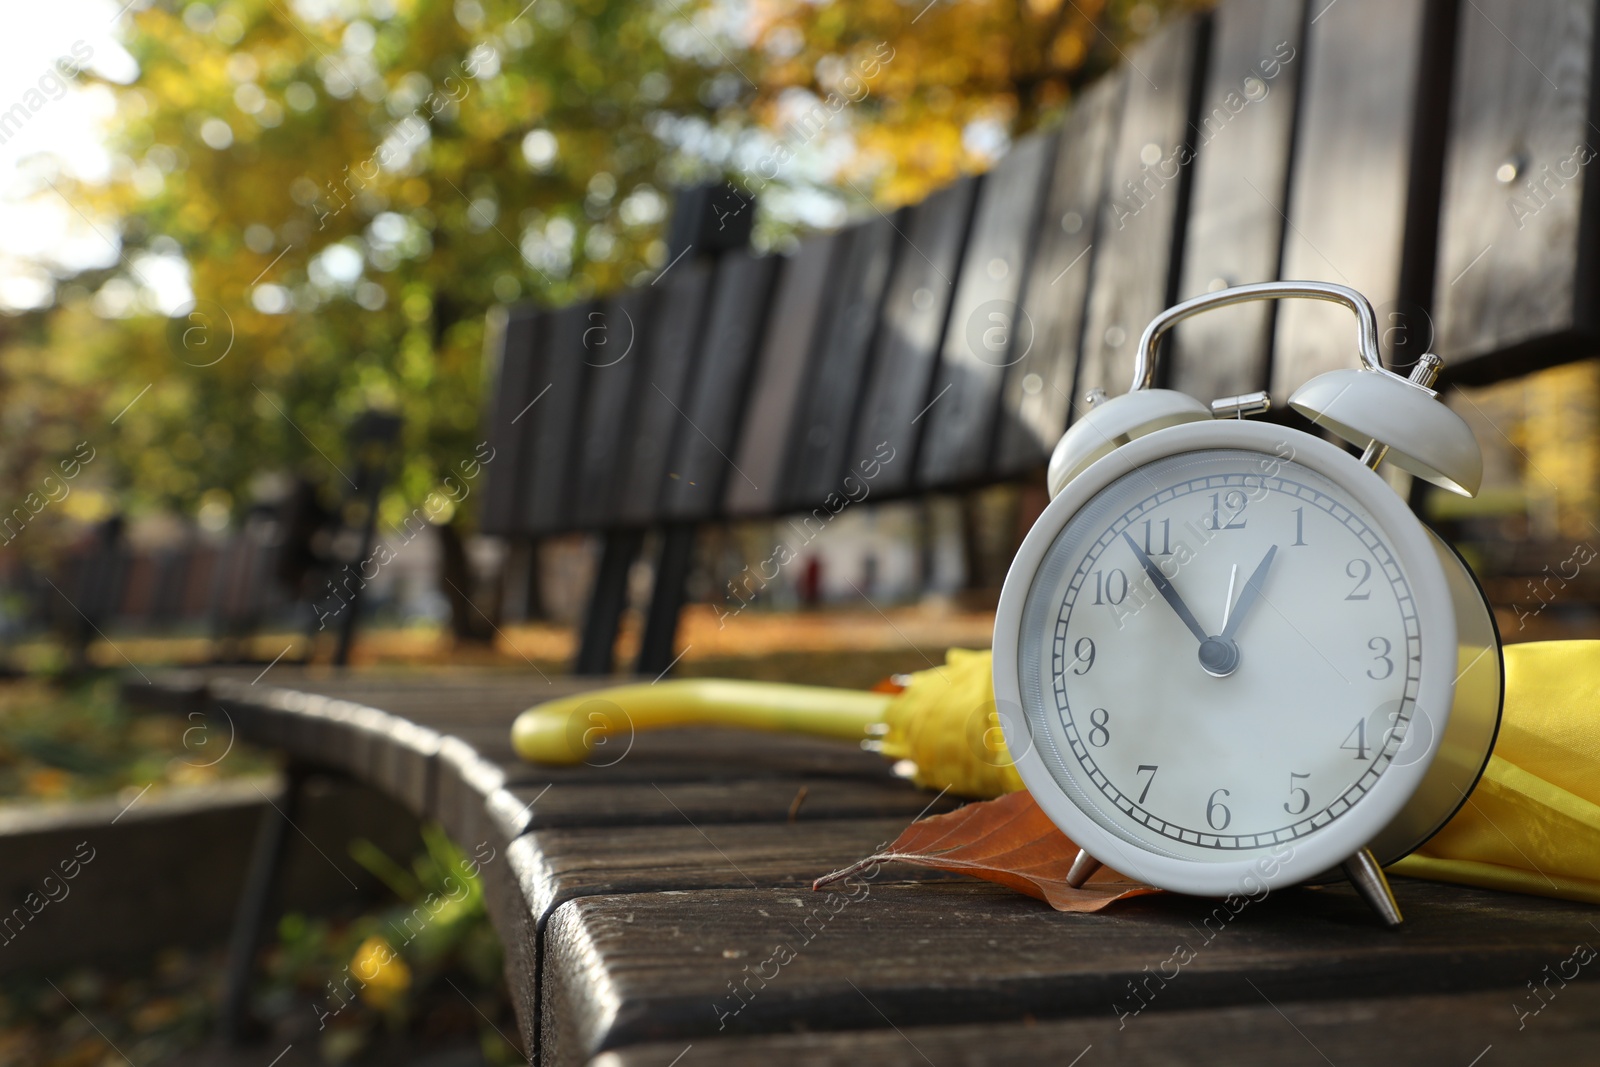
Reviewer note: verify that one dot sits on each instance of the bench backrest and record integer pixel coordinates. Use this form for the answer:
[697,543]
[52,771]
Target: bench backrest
[1431,156]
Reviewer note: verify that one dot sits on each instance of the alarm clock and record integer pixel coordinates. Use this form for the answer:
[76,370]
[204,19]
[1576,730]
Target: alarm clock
[1228,657]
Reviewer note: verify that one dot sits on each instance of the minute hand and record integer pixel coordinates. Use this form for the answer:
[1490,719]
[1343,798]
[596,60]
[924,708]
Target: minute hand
[1252,589]
[1164,586]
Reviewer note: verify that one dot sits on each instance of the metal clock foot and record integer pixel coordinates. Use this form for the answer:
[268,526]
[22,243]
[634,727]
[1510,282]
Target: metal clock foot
[1082,868]
[1368,878]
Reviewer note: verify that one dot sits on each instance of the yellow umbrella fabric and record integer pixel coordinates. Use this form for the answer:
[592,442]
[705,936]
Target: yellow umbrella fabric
[1533,823]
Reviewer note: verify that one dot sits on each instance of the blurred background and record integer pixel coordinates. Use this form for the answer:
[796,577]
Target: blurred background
[249,252]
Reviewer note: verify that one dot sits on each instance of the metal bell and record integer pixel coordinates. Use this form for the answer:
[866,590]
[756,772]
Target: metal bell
[1398,419]
[1110,424]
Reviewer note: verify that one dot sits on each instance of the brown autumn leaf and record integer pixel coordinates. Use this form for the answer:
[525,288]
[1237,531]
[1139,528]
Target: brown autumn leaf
[1008,840]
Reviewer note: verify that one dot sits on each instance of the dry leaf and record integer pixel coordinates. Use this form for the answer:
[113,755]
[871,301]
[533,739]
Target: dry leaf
[1008,840]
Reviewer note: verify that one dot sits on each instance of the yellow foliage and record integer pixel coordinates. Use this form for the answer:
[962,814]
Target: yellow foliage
[1004,66]
[1562,449]
[384,975]
[256,139]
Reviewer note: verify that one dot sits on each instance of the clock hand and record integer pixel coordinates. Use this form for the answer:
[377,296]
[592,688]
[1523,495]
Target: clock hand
[1227,605]
[1252,589]
[1164,586]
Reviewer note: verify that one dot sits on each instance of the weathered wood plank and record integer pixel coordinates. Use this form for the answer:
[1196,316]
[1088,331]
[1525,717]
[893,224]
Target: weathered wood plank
[1360,210]
[654,966]
[1140,231]
[775,799]
[819,460]
[671,835]
[668,359]
[463,781]
[1427,1031]
[777,391]
[700,466]
[471,719]
[1516,284]
[613,345]
[1038,401]
[913,322]
[546,507]
[373,746]
[476,762]
[683,755]
[987,331]
[1243,140]
[514,333]
[555,866]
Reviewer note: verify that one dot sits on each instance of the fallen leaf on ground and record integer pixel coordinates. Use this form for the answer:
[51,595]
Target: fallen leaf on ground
[1009,840]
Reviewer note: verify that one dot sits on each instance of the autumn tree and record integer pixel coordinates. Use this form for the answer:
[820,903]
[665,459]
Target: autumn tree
[350,184]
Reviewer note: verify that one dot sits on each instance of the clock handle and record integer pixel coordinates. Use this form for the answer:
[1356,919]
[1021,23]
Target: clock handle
[1144,368]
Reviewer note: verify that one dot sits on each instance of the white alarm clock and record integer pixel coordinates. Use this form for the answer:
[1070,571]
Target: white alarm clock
[1228,656]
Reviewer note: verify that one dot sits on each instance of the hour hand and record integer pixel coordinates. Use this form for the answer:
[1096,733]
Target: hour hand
[1165,587]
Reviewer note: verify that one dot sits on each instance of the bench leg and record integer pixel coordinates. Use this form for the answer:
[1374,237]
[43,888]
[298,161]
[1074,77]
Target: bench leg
[261,881]
[666,601]
[596,648]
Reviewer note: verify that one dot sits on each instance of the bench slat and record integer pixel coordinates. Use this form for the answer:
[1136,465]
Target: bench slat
[776,394]
[1366,125]
[550,867]
[907,347]
[555,866]
[700,466]
[686,754]
[657,966]
[562,363]
[516,329]
[1516,283]
[613,356]
[1141,217]
[756,800]
[1426,1031]
[819,459]
[986,331]
[1038,400]
[667,361]
[1241,176]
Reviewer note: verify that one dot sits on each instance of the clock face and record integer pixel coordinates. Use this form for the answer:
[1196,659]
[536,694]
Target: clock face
[1220,654]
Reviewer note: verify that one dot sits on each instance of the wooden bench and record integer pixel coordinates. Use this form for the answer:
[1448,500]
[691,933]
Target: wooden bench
[221,588]
[654,899]
[649,903]
[230,587]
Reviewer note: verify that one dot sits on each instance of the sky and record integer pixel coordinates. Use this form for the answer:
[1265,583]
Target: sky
[40,232]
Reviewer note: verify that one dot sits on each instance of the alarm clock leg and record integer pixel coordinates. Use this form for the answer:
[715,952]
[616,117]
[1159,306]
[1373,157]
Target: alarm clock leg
[1364,873]
[1082,868]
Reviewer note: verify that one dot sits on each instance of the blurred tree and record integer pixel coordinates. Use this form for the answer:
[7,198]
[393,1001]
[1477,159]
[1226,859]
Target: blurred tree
[953,82]
[349,184]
